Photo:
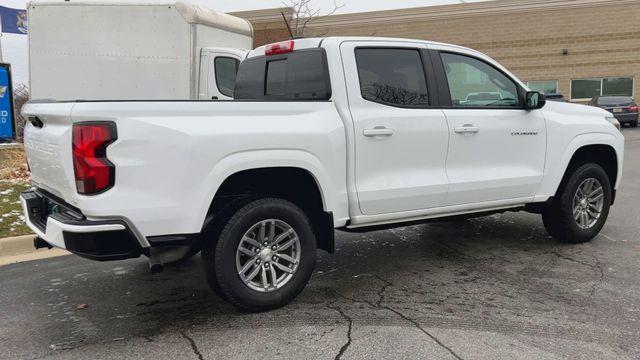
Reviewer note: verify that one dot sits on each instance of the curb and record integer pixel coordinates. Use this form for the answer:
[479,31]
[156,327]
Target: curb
[10,146]
[20,249]
[17,245]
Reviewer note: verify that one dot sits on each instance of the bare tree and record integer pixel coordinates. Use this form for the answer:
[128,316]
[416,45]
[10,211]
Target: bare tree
[304,13]
[394,95]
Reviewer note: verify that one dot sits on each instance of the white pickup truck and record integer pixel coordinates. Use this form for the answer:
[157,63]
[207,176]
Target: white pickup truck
[327,133]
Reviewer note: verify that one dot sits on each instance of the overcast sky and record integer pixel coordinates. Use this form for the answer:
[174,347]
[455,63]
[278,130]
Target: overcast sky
[349,5]
[14,47]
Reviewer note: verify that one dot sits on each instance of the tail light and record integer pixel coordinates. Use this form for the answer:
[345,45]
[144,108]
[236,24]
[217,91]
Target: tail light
[94,173]
[279,48]
[633,108]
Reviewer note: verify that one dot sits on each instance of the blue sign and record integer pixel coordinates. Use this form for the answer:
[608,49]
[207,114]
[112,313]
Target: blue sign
[7,131]
[14,21]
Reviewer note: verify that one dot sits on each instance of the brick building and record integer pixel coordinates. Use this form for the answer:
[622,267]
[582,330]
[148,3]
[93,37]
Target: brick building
[579,48]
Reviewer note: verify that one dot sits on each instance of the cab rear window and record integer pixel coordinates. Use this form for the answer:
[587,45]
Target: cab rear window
[300,75]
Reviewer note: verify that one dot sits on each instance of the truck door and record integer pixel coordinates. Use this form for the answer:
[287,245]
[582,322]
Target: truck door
[218,71]
[497,148]
[401,137]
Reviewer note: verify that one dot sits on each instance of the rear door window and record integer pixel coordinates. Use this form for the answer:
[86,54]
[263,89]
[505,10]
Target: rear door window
[392,76]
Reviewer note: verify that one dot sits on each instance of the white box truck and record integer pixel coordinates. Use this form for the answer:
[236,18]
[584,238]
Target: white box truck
[121,50]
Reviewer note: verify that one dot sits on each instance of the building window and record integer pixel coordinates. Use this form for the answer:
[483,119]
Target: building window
[544,86]
[585,89]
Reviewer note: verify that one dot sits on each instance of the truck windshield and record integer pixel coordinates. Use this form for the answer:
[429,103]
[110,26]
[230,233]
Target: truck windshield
[300,75]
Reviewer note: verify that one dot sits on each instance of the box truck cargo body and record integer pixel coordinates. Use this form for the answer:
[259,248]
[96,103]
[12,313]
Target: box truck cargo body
[106,50]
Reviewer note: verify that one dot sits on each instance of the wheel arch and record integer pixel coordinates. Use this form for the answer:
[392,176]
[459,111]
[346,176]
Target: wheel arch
[297,176]
[601,148]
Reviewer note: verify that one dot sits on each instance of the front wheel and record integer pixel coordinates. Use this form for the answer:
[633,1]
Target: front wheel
[581,207]
[264,255]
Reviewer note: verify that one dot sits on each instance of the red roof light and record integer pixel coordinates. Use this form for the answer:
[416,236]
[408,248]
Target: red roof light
[279,48]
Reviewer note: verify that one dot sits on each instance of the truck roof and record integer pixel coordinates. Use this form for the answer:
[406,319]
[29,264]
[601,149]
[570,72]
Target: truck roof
[335,41]
[192,14]
[305,43]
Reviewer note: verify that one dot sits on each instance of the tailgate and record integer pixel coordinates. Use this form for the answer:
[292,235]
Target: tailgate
[47,142]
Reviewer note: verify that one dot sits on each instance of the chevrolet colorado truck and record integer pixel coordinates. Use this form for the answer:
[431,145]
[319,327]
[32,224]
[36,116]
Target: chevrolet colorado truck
[356,134]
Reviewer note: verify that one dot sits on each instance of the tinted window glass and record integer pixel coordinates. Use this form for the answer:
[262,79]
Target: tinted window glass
[614,100]
[585,88]
[226,69]
[276,77]
[301,75]
[474,83]
[250,80]
[392,76]
[589,88]
[617,86]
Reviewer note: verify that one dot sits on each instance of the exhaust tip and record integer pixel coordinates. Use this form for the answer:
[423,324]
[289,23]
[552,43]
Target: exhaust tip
[156,268]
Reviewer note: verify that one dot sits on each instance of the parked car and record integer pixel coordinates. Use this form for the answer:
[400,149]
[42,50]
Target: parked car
[555,97]
[348,133]
[623,108]
[123,50]
[481,98]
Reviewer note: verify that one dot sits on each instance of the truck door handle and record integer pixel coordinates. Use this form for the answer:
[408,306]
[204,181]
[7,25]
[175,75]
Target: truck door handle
[466,129]
[377,132]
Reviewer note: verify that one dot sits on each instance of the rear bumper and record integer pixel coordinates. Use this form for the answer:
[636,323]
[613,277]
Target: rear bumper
[626,118]
[62,226]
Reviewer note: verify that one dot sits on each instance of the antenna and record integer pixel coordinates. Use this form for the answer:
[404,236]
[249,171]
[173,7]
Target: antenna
[287,23]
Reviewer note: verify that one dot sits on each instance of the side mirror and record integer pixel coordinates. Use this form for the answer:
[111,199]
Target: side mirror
[534,100]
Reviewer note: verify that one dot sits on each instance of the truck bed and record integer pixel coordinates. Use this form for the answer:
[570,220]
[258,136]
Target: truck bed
[180,152]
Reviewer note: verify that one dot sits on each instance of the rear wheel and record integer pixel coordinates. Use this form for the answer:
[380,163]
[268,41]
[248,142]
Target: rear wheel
[634,124]
[264,255]
[581,207]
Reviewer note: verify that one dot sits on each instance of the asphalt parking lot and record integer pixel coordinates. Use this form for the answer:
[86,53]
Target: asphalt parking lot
[493,287]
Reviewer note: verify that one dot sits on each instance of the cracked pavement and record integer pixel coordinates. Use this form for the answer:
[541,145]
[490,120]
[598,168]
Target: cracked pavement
[492,287]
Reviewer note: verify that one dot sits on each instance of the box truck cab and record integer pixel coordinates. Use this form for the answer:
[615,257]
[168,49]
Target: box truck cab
[118,50]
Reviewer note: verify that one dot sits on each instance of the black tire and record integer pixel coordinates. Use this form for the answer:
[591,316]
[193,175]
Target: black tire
[558,218]
[212,234]
[220,257]
[634,124]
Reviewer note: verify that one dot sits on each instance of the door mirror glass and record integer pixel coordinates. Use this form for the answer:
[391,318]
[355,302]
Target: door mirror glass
[534,100]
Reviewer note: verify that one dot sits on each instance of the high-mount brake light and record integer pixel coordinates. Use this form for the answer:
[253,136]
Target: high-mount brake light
[279,48]
[94,173]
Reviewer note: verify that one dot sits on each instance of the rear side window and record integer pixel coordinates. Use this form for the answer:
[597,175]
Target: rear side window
[392,76]
[226,69]
[300,75]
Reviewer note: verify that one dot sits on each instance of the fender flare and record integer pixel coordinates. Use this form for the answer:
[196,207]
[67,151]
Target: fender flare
[257,159]
[556,171]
